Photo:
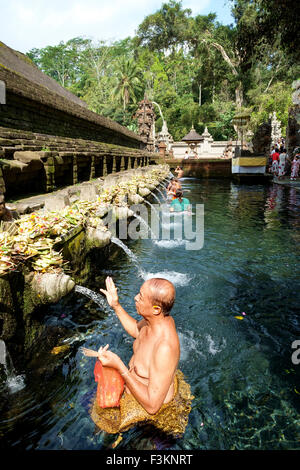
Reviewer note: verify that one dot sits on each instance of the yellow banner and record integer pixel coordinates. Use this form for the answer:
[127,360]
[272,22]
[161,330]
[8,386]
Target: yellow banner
[249,161]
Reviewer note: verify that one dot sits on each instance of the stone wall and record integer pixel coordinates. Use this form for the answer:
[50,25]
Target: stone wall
[26,291]
[37,103]
[203,168]
[29,115]
[37,163]
[293,127]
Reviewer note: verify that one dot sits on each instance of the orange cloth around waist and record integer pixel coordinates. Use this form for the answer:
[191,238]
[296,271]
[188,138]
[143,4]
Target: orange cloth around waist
[172,418]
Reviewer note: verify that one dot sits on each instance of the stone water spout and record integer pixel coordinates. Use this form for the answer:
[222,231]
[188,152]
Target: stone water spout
[51,287]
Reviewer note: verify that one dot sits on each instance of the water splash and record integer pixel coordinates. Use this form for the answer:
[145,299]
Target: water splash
[127,250]
[212,346]
[163,185]
[152,208]
[162,195]
[189,346]
[169,243]
[178,279]
[154,195]
[144,223]
[97,298]
[14,382]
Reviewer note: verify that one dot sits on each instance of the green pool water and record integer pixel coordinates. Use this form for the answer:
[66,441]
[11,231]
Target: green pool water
[241,373]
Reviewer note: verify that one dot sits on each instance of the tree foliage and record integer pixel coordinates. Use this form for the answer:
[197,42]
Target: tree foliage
[198,70]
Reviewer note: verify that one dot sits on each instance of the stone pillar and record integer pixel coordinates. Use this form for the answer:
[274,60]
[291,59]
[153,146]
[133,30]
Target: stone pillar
[122,165]
[207,141]
[50,174]
[126,163]
[132,161]
[2,182]
[92,172]
[75,173]
[162,149]
[104,166]
[114,167]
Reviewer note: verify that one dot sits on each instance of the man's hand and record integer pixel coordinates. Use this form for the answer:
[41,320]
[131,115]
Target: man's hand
[108,358]
[111,292]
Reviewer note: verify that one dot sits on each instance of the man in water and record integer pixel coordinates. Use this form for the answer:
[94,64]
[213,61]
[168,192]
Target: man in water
[156,349]
[155,390]
[173,186]
[179,172]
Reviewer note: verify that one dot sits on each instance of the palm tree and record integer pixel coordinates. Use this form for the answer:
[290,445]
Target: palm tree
[128,81]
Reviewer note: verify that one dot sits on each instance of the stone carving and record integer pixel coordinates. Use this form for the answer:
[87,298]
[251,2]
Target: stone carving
[275,129]
[293,126]
[164,136]
[261,141]
[145,116]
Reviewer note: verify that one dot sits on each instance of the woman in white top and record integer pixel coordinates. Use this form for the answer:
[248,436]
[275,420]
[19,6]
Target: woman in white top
[281,163]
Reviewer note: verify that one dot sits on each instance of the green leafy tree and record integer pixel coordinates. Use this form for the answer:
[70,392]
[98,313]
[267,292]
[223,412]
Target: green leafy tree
[128,81]
[165,29]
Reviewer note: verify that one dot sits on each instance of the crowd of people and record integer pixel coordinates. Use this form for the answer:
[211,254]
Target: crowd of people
[280,164]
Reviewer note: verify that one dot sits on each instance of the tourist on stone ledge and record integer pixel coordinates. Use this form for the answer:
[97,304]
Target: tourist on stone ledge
[155,391]
[281,163]
[275,160]
[295,165]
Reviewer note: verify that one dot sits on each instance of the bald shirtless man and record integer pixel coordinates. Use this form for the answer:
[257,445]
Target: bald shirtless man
[179,172]
[156,349]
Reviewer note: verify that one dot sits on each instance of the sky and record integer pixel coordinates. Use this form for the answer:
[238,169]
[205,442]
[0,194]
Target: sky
[28,24]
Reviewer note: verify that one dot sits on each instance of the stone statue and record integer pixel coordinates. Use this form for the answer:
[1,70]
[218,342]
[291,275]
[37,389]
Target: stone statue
[275,129]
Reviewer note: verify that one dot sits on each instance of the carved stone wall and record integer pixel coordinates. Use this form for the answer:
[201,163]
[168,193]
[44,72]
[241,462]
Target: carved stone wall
[261,140]
[145,116]
[38,163]
[293,127]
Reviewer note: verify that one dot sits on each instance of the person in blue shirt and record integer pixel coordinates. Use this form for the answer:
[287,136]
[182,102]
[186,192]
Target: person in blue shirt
[180,203]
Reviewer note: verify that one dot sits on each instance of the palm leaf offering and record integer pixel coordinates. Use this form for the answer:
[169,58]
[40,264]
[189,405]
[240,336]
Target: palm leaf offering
[33,236]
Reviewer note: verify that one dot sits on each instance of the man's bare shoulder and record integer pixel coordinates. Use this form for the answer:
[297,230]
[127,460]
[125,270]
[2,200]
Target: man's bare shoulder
[166,353]
[141,324]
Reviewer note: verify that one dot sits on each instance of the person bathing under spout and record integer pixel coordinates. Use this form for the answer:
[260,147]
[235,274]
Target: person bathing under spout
[154,389]
[180,203]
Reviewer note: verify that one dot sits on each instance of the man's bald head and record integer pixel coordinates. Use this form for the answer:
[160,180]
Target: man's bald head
[162,293]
